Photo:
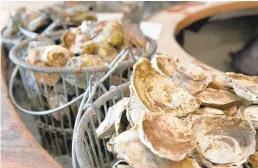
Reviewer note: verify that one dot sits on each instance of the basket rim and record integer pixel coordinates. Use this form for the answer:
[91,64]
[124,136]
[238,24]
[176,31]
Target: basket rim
[19,62]
[8,40]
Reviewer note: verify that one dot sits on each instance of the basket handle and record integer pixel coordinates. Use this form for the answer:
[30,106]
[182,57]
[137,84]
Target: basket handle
[14,73]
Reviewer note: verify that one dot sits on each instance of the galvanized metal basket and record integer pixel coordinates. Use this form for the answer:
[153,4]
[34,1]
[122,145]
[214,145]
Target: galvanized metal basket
[90,151]
[56,124]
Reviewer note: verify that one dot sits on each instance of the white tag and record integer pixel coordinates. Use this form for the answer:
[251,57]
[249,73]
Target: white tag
[151,29]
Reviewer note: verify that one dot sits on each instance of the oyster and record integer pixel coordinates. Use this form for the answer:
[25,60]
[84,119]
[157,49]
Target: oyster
[253,160]
[192,78]
[186,163]
[244,86]
[224,141]
[129,147]
[34,54]
[50,79]
[55,101]
[216,98]
[249,113]
[56,56]
[166,64]
[158,93]
[68,38]
[114,32]
[35,20]
[107,127]
[135,109]
[134,34]
[41,42]
[219,81]
[121,164]
[209,110]
[80,40]
[81,62]
[166,136]
[106,51]
[88,48]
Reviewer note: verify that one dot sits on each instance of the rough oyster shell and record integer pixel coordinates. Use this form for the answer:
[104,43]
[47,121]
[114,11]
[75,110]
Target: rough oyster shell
[253,160]
[224,141]
[209,110]
[166,136]
[114,32]
[49,79]
[129,147]
[81,62]
[158,93]
[192,78]
[244,86]
[34,20]
[216,98]
[34,55]
[107,127]
[166,64]
[135,109]
[56,56]
[68,38]
[249,113]
[55,101]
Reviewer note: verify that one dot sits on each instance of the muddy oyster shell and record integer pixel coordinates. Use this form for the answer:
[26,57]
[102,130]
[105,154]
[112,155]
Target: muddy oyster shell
[224,141]
[216,98]
[166,136]
[113,116]
[244,86]
[158,93]
[81,62]
[129,147]
[192,78]
[166,64]
[249,113]
[56,56]
[135,109]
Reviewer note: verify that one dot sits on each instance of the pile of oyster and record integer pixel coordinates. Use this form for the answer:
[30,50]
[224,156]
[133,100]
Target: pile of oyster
[184,116]
[90,44]
[38,21]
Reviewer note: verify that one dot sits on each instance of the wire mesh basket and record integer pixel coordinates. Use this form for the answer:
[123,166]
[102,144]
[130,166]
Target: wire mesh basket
[91,151]
[53,100]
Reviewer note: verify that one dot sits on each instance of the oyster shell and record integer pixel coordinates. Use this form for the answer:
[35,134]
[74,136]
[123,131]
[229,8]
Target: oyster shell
[186,163]
[216,98]
[55,101]
[106,51]
[192,78]
[56,56]
[68,38]
[81,62]
[253,160]
[158,93]
[49,79]
[129,147]
[135,109]
[224,141]
[121,164]
[166,136]
[35,20]
[107,127]
[249,113]
[209,110]
[34,55]
[244,86]
[114,32]
[166,64]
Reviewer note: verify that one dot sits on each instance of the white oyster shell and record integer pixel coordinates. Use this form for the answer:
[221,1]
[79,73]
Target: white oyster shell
[165,64]
[135,109]
[107,127]
[129,147]
[224,141]
[166,136]
[244,86]
[249,113]
[216,98]
[158,93]
[121,164]
[192,78]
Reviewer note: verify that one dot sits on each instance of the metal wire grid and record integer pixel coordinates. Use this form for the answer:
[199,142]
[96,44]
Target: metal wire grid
[56,125]
[90,151]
